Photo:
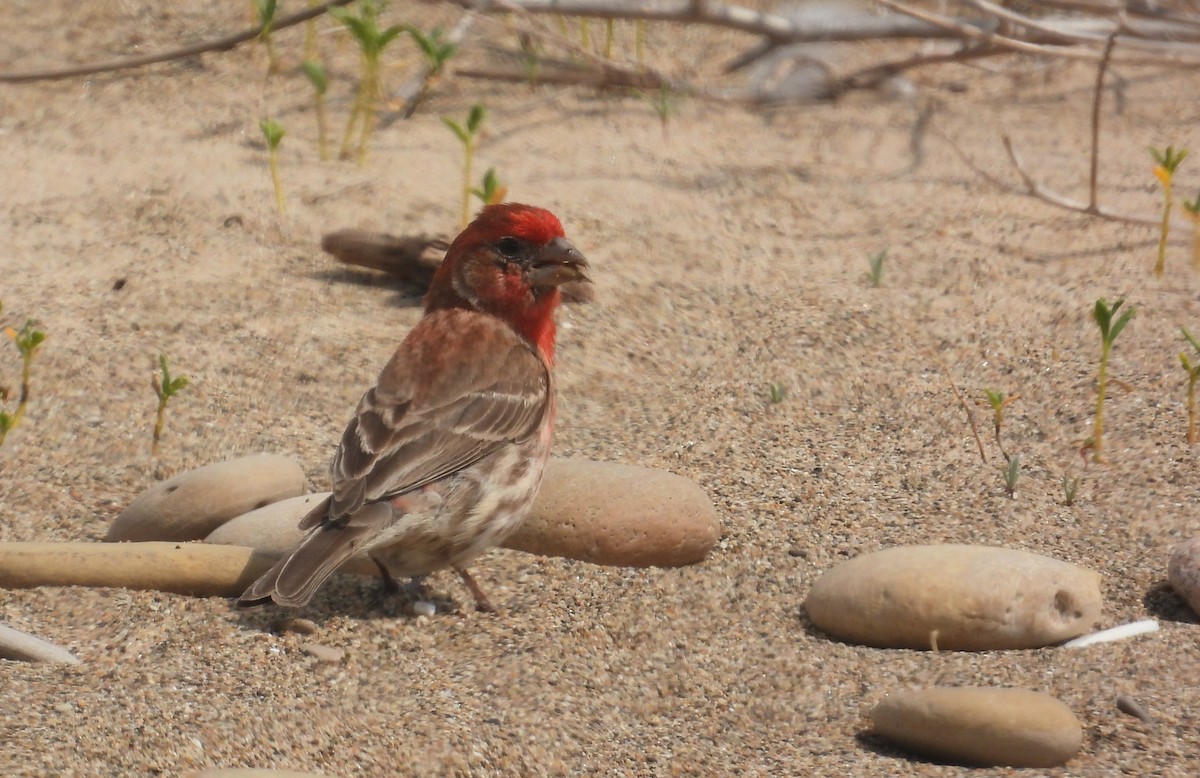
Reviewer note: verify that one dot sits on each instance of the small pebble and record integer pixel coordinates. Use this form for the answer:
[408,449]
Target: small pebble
[298,625]
[193,504]
[1183,572]
[955,597]
[982,726]
[424,608]
[64,707]
[323,653]
[1132,707]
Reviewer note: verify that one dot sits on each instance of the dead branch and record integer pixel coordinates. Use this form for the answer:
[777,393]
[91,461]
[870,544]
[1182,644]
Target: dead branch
[220,44]
[1097,101]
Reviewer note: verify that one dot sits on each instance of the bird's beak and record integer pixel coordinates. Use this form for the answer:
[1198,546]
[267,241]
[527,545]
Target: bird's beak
[558,263]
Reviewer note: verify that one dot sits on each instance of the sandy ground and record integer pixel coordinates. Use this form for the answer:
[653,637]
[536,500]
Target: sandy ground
[728,255]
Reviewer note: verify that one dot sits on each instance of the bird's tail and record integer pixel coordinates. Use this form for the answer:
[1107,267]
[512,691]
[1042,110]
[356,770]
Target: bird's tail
[296,577]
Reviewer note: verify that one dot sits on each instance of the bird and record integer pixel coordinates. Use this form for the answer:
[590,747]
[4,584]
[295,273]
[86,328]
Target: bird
[445,454]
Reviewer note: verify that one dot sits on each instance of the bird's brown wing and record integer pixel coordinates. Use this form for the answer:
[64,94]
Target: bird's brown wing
[460,386]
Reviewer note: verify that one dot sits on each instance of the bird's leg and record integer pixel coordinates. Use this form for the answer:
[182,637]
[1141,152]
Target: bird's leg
[390,587]
[482,604]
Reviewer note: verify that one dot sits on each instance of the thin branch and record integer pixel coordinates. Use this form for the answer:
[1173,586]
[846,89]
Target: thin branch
[1097,101]
[963,402]
[412,91]
[220,44]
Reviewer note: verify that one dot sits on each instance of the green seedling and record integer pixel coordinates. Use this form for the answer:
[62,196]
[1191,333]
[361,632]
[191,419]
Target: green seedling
[436,50]
[274,133]
[1109,330]
[491,191]
[266,18]
[320,84]
[1070,487]
[165,387]
[371,42]
[999,401]
[1193,376]
[28,340]
[776,393]
[875,273]
[639,40]
[1167,162]
[1192,209]
[468,135]
[609,34]
[1011,473]
[663,102]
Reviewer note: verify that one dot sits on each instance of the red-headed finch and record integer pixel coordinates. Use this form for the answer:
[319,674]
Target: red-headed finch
[445,454]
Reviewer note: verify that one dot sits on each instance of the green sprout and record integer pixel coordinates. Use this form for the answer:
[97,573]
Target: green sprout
[639,40]
[28,340]
[491,191]
[999,401]
[609,34]
[320,84]
[776,393]
[531,57]
[1011,473]
[1168,161]
[371,42]
[266,18]
[436,50]
[1193,374]
[663,102]
[1109,330]
[165,388]
[875,273]
[1192,209]
[1070,487]
[468,135]
[274,133]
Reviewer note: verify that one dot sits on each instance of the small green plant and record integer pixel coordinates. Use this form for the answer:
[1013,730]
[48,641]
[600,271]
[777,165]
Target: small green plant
[639,40]
[274,133]
[1070,487]
[319,79]
[28,340]
[663,102]
[371,42]
[776,393]
[1192,209]
[999,401]
[1102,314]
[1193,376]
[1011,473]
[436,50]
[468,135]
[609,34]
[266,19]
[165,387]
[1167,163]
[875,263]
[491,191]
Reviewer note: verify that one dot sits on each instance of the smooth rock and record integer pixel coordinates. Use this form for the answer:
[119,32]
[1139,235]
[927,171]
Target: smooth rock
[964,597]
[599,512]
[23,647]
[193,504]
[1183,572]
[299,626]
[982,726]
[323,653]
[183,568]
[608,513]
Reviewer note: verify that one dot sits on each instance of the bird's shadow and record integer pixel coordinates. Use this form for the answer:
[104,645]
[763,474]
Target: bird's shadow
[407,295]
[1162,602]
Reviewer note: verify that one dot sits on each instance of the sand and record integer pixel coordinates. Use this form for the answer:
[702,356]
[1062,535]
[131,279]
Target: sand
[729,254]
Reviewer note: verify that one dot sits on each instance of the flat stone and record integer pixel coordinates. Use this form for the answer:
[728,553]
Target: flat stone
[193,504]
[949,596]
[323,653]
[599,512]
[23,647]
[981,726]
[1183,572]
[194,569]
[608,513]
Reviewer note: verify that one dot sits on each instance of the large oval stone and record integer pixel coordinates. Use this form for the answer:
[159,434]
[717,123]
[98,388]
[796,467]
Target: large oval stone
[982,726]
[608,513]
[1183,572]
[955,597]
[193,504]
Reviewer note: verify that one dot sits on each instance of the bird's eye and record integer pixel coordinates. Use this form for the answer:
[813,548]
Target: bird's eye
[509,247]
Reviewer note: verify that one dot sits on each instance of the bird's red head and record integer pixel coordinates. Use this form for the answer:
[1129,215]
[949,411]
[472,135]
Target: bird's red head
[509,263]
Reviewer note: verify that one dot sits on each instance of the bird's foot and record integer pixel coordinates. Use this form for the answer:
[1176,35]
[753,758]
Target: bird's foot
[482,604]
